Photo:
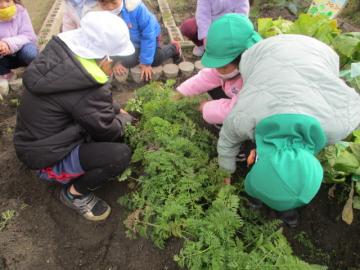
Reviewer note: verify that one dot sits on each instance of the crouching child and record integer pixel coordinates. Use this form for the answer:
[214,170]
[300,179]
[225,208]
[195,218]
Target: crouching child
[67,128]
[144,34]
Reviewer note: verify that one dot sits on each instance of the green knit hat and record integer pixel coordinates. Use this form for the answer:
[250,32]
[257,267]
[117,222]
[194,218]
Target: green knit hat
[286,174]
[228,37]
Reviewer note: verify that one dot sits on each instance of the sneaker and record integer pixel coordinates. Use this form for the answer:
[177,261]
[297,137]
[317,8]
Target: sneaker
[241,157]
[218,126]
[89,206]
[198,51]
[9,76]
[177,58]
[290,217]
[4,88]
[254,203]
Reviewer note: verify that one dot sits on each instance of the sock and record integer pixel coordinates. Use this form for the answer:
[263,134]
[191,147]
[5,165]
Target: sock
[72,196]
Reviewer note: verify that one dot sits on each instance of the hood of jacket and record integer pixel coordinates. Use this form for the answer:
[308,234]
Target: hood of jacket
[57,70]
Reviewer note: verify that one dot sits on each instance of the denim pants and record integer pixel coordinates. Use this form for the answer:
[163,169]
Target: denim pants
[19,59]
[162,53]
[89,166]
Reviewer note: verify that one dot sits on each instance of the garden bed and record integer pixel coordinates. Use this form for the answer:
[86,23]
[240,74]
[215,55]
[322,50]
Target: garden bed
[44,234]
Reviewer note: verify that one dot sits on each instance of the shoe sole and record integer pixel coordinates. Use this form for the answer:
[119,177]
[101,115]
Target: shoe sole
[102,217]
[98,218]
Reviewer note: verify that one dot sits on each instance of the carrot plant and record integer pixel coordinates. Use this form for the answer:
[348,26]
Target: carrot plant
[180,192]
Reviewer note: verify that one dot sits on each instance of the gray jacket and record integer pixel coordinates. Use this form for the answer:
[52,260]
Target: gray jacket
[289,74]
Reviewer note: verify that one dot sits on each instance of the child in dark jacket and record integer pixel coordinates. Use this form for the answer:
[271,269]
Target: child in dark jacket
[67,128]
[144,34]
[17,38]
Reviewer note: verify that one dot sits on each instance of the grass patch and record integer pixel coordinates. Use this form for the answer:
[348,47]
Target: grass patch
[6,217]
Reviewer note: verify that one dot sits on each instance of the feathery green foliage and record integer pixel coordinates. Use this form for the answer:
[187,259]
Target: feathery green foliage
[181,192]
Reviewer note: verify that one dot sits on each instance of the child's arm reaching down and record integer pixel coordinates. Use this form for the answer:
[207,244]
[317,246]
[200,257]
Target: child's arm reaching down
[149,34]
[206,80]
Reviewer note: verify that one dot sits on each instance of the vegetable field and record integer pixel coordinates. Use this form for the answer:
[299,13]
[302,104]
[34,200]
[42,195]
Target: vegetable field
[171,209]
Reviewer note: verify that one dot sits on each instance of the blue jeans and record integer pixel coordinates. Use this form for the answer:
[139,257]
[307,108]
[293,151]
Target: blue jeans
[20,59]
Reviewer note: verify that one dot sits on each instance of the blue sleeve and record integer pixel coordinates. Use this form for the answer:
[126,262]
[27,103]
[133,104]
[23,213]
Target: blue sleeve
[148,27]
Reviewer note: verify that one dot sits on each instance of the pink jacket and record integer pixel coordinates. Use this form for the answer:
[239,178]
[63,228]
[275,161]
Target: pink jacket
[214,111]
[71,19]
[18,31]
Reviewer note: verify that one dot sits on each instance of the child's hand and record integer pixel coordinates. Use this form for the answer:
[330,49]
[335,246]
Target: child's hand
[227,181]
[146,72]
[202,104]
[4,48]
[119,69]
[251,158]
[125,118]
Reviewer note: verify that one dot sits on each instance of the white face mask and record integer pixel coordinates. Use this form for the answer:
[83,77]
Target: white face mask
[230,75]
[117,11]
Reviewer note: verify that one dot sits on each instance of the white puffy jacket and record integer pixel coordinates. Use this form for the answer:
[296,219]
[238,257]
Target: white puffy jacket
[289,74]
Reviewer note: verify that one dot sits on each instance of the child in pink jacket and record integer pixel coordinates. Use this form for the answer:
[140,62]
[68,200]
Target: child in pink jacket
[222,84]
[74,11]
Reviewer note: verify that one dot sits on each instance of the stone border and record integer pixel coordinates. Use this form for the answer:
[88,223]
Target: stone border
[168,71]
[52,23]
[170,25]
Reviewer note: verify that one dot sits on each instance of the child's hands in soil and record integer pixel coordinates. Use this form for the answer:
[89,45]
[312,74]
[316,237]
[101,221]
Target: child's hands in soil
[125,118]
[146,72]
[119,69]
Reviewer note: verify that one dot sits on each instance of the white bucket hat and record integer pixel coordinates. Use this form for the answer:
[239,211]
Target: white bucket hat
[100,34]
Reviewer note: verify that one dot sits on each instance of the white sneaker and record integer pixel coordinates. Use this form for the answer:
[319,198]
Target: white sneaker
[4,88]
[198,51]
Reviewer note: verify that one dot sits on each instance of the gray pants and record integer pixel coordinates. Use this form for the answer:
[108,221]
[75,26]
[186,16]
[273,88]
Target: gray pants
[162,53]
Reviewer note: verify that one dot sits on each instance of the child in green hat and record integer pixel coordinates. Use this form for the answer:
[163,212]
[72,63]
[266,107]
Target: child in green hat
[292,104]
[221,78]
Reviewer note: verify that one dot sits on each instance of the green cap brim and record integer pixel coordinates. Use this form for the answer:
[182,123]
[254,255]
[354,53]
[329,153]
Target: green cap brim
[211,62]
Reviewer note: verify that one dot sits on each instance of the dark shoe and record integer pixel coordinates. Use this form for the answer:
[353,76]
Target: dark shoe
[290,217]
[241,157]
[245,151]
[89,206]
[178,56]
[254,203]
[218,126]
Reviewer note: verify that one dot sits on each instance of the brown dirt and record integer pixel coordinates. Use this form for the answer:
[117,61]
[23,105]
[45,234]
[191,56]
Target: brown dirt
[44,234]
[333,242]
[38,10]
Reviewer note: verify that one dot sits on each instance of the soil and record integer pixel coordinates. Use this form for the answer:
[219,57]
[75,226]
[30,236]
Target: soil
[327,239]
[38,10]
